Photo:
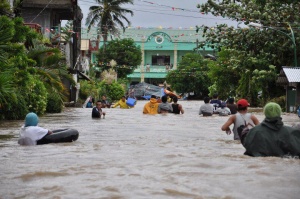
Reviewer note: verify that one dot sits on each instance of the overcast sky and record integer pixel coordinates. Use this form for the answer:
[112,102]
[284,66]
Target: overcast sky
[164,13]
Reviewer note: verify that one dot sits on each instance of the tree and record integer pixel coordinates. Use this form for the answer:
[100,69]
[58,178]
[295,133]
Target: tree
[107,16]
[253,50]
[5,8]
[125,53]
[223,77]
[67,31]
[190,76]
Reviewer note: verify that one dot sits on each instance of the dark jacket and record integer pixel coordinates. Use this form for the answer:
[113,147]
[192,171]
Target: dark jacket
[272,138]
[96,113]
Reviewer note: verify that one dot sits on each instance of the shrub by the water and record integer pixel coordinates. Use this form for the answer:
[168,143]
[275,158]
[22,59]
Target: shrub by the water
[54,103]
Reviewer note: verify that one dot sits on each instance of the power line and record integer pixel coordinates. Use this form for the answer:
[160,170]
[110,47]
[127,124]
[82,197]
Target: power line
[41,11]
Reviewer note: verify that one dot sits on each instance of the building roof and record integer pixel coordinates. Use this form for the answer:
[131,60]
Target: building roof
[289,75]
[141,34]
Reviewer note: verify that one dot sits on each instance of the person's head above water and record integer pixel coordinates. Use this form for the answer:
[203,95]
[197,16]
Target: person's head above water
[164,98]
[272,110]
[31,119]
[206,100]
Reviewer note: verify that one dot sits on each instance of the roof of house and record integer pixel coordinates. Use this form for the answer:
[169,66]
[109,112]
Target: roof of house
[289,75]
[141,34]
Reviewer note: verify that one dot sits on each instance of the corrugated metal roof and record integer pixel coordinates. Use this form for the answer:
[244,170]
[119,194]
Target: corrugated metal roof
[292,74]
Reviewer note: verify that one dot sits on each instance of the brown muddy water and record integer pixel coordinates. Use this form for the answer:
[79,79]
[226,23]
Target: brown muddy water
[131,155]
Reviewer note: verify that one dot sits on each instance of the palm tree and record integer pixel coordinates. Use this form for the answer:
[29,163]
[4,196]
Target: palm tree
[107,16]
[50,68]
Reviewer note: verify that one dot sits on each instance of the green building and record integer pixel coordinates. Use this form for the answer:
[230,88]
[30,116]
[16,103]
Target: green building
[162,50]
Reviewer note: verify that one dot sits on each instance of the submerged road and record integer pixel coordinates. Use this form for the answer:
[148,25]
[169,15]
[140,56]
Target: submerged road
[131,155]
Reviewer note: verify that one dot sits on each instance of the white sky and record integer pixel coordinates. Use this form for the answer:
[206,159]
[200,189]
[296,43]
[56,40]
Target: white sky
[164,13]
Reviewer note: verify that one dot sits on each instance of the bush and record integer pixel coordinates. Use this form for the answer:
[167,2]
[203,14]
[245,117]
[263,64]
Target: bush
[54,103]
[281,101]
[15,109]
[88,88]
[114,90]
[36,97]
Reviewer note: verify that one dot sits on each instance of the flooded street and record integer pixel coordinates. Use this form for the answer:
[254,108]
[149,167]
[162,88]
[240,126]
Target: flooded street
[131,155]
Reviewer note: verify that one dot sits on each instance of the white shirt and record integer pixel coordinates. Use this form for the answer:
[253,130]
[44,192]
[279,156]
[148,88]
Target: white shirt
[34,133]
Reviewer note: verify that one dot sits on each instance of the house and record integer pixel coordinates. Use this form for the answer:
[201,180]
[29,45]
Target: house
[289,77]
[162,50]
[48,16]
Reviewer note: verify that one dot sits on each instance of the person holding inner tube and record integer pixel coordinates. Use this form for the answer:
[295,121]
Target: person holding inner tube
[30,132]
[97,111]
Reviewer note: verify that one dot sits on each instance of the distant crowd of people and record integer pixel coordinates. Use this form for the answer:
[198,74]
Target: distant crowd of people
[268,138]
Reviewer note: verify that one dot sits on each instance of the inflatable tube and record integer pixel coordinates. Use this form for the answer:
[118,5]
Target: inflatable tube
[60,135]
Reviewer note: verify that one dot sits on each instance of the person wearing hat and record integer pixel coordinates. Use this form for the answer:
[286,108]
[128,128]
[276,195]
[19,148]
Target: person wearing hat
[272,137]
[241,118]
[151,107]
[30,132]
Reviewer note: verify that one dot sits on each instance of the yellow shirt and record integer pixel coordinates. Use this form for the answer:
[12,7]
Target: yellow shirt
[151,107]
[122,104]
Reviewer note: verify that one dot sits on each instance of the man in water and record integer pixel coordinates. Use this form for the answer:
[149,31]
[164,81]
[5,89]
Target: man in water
[97,111]
[151,106]
[122,103]
[272,137]
[164,107]
[206,109]
[241,118]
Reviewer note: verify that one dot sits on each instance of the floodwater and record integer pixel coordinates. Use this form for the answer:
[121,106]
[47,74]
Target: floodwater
[131,155]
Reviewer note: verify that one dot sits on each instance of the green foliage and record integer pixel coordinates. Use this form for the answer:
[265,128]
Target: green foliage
[256,54]
[191,75]
[29,71]
[6,87]
[67,31]
[114,90]
[5,8]
[54,103]
[35,95]
[15,108]
[107,16]
[126,54]
[223,75]
[88,88]
[279,100]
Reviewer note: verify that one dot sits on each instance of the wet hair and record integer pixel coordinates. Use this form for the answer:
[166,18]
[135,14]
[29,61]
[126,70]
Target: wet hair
[206,100]
[230,100]
[99,101]
[175,99]
[241,108]
[164,98]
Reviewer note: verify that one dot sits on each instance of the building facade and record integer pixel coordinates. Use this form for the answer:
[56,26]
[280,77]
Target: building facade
[162,50]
